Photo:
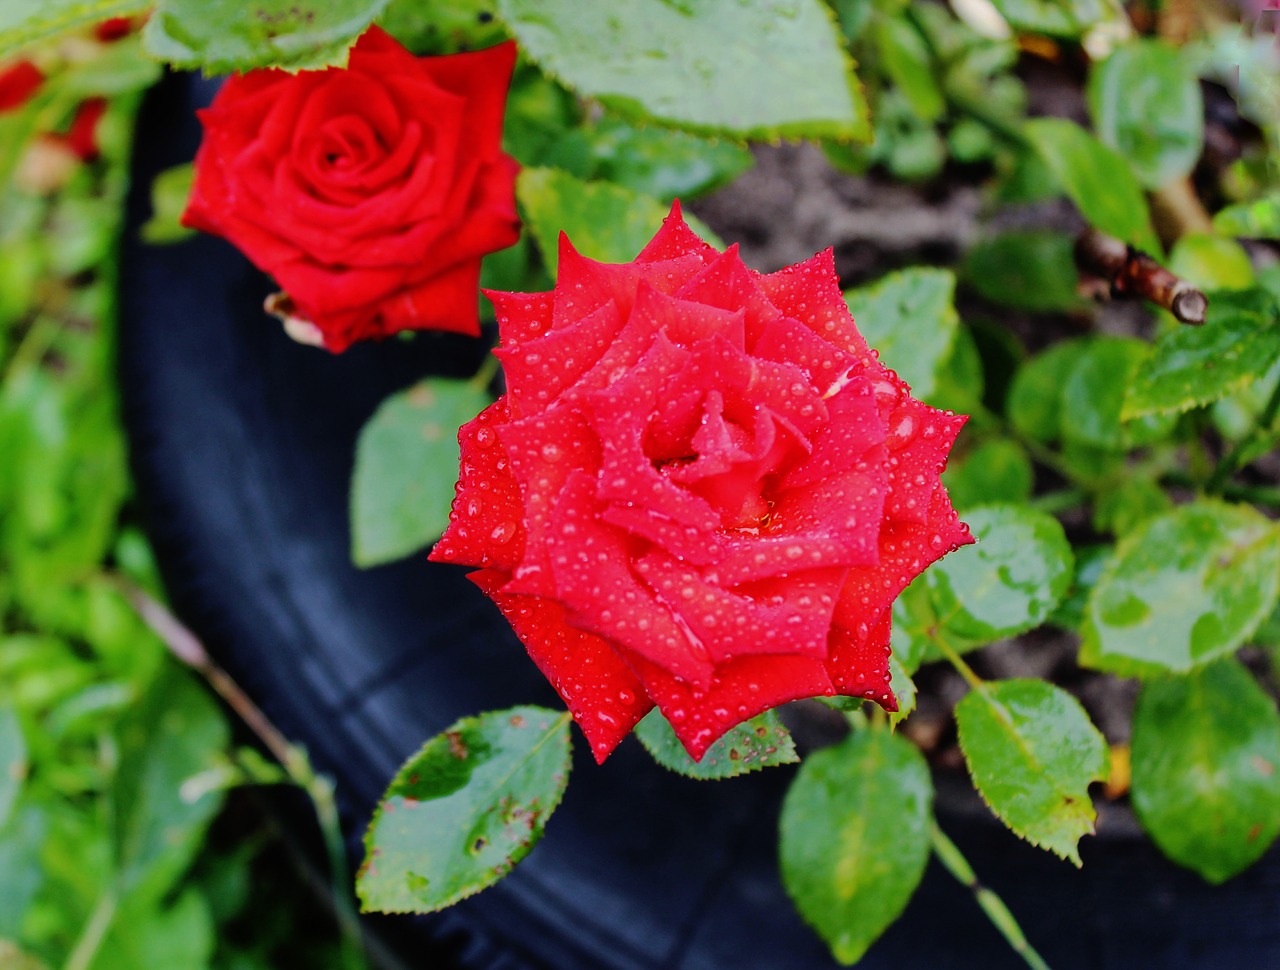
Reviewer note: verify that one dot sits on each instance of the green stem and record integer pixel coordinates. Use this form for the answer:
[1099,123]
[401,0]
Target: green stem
[1229,462]
[955,863]
[1258,494]
[957,661]
[94,932]
[485,373]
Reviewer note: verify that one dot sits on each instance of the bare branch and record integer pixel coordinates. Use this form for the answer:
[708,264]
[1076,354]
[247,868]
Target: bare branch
[1129,272]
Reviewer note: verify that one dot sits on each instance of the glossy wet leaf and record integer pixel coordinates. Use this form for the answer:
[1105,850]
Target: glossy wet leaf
[1190,366]
[1206,768]
[1093,398]
[1096,178]
[997,470]
[1034,403]
[229,35]
[854,837]
[464,810]
[1010,580]
[1183,589]
[24,23]
[1033,752]
[406,465]
[699,66]
[604,221]
[1063,18]
[758,743]
[910,318]
[13,760]
[1030,270]
[1145,103]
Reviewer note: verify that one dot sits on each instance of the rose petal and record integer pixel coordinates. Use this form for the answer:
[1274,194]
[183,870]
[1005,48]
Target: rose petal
[675,239]
[859,661]
[810,292]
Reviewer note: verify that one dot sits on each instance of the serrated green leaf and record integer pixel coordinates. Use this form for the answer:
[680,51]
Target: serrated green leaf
[758,743]
[603,221]
[1206,768]
[1032,752]
[1145,102]
[1061,18]
[406,465]
[699,66]
[1034,402]
[910,318]
[13,760]
[1190,366]
[1010,580]
[24,22]
[219,36]
[1182,589]
[854,838]
[997,470]
[464,810]
[1030,270]
[1096,178]
[1093,397]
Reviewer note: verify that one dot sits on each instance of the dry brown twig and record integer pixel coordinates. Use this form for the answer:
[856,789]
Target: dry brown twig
[1128,272]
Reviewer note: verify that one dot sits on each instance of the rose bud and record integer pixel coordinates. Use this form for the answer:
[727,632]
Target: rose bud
[18,82]
[701,489]
[370,193]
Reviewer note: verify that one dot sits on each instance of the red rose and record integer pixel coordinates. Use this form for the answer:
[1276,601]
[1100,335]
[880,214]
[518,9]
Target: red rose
[369,193]
[701,489]
[18,82]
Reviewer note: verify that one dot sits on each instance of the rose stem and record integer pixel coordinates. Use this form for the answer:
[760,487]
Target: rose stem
[484,373]
[955,863]
[957,661]
[1131,272]
[184,645]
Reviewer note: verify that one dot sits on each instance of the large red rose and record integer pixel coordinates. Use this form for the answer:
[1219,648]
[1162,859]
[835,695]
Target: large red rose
[370,193]
[701,489]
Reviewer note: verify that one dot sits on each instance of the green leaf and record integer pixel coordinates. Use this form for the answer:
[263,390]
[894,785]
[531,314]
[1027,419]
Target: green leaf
[699,66]
[1034,402]
[24,22]
[1007,582]
[854,838]
[1061,18]
[758,743]
[1190,366]
[13,761]
[1032,752]
[1206,768]
[603,221]
[1124,505]
[1259,219]
[406,465]
[173,935]
[174,734]
[1090,562]
[910,319]
[1030,270]
[1093,397]
[169,193]
[661,162]
[1211,262]
[1145,103]
[443,26]
[229,35]
[1182,589]
[464,810]
[904,55]
[960,377]
[1096,178]
[904,689]
[997,470]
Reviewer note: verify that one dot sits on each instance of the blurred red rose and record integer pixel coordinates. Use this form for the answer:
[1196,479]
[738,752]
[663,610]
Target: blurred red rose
[82,135]
[701,490]
[18,82]
[370,193]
